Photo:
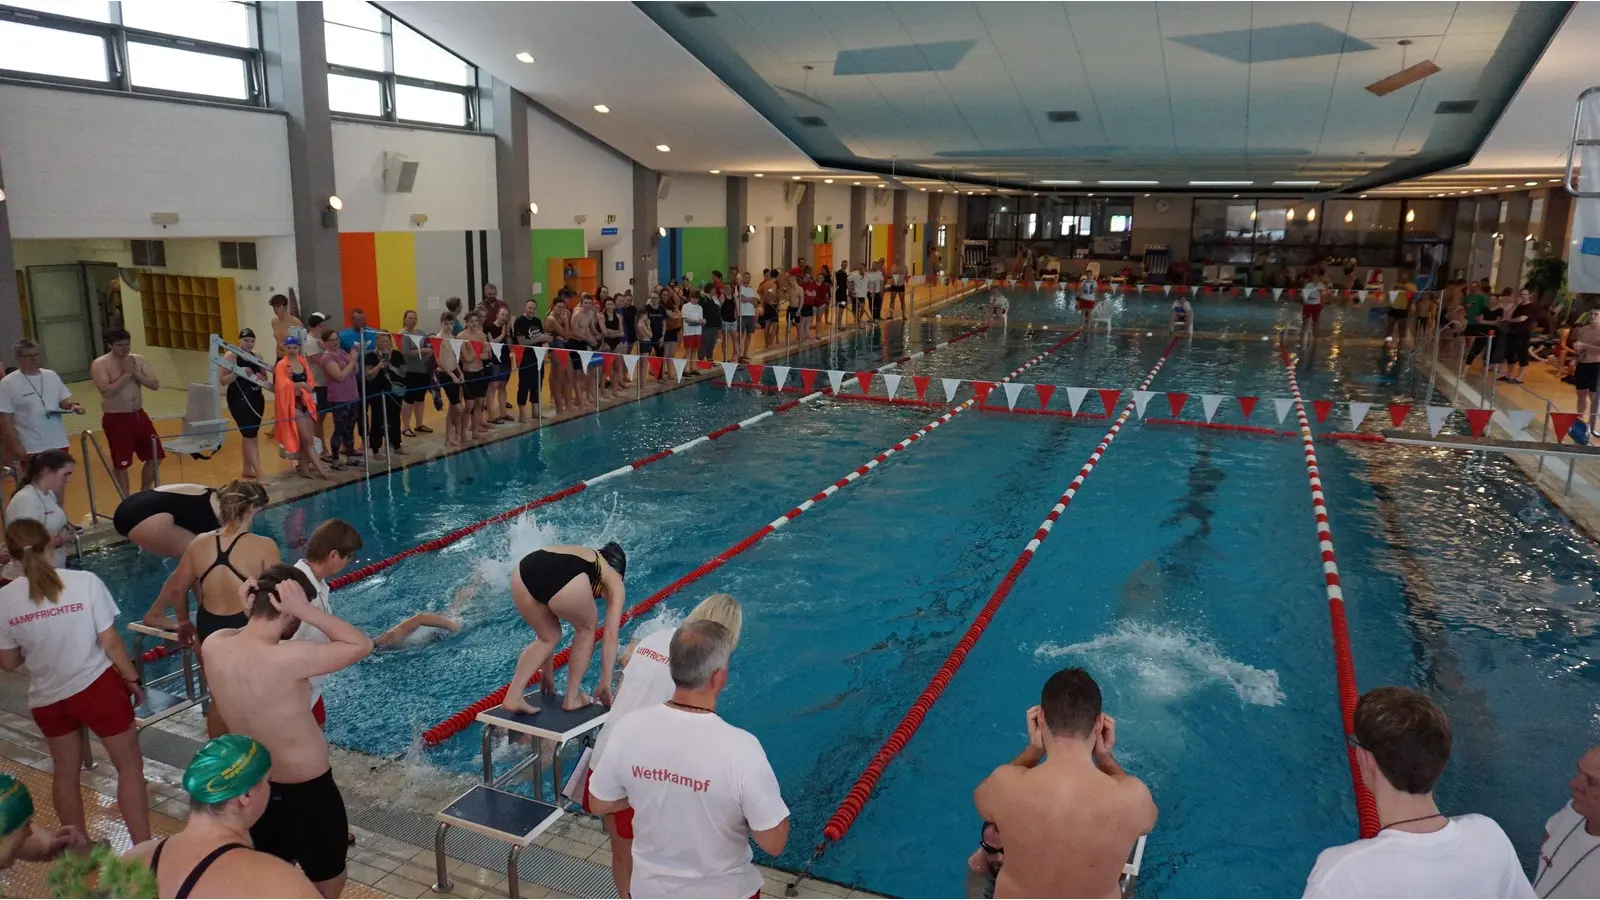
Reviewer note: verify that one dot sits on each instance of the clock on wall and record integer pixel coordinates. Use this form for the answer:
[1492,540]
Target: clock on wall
[1163,205]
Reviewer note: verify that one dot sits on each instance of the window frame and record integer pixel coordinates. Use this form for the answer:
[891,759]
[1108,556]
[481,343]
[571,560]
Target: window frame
[117,37]
[388,81]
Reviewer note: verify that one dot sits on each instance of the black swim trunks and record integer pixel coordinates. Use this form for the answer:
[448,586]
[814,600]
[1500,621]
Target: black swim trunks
[305,824]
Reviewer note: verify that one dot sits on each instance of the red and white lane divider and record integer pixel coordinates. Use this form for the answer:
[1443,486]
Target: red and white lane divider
[460,721]
[461,533]
[861,791]
[1366,806]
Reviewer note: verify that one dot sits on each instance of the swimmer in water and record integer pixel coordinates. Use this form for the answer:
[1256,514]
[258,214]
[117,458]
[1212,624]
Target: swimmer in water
[1087,291]
[999,309]
[424,627]
[561,584]
[1182,315]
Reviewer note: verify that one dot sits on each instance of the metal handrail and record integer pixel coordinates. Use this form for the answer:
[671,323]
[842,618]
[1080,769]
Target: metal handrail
[84,442]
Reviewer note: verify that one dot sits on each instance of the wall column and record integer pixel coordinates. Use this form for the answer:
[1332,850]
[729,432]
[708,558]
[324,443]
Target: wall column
[509,115]
[737,192]
[296,57]
[805,226]
[897,247]
[10,297]
[859,248]
[1513,239]
[930,238]
[645,238]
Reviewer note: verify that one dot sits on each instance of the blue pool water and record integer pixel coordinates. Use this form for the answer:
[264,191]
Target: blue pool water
[1185,577]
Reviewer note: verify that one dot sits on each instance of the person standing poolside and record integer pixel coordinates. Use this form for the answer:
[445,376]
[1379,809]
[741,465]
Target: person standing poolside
[294,408]
[1569,860]
[694,318]
[385,372]
[1519,335]
[63,623]
[22,839]
[344,398]
[1087,291]
[261,679]
[700,789]
[768,292]
[630,322]
[498,329]
[1584,339]
[448,372]
[331,547]
[1069,813]
[121,377]
[647,682]
[475,375]
[558,322]
[711,310]
[211,857]
[527,331]
[875,290]
[586,335]
[1402,743]
[246,403]
[283,324]
[999,309]
[747,301]
[44,478]
[1310,308]
[561,584]
[860,291]
[614,374]
[32,401]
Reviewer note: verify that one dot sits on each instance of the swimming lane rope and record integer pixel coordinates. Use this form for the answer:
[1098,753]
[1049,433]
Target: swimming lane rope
[858,795]
[460,721]
[1344,664]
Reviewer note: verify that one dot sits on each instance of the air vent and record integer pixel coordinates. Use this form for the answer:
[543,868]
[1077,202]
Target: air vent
[812,121]
[696,11]
[1062,115]
[1455,107]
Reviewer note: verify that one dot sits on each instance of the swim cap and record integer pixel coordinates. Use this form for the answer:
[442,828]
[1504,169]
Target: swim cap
[615,558]
[246,333]
[225,768]
[16,805]
[291,341]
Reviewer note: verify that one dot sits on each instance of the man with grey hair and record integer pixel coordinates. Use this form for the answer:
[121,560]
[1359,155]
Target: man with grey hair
[32,401]
[700,788]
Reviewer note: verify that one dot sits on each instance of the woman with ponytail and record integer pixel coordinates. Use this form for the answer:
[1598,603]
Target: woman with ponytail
[63,624]
[214,567]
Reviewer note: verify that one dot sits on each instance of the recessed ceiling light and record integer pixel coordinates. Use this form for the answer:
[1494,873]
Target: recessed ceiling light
[1221,183]
[1296,183]
[525,56]
[663,148]
[1555,181]
[1510,185]
[795,177]
[601,108]
[716,171]
[1055,181]
[1530,184]
[1126,183]
[1477,190]
[830,181]
[924,190]
[759,175]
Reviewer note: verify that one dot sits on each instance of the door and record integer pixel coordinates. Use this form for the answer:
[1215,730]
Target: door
[105,297]
[58,299]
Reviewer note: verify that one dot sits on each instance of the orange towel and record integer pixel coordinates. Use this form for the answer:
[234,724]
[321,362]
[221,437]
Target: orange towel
[284,394]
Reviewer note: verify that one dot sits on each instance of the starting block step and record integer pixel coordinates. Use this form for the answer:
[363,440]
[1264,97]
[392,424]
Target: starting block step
[499,814]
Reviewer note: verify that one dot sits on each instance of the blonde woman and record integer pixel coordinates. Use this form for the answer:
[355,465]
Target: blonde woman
[647,681]
[63,623]
[214,567]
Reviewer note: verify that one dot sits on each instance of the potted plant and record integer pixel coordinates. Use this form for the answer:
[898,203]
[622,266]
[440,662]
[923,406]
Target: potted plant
[1547,275]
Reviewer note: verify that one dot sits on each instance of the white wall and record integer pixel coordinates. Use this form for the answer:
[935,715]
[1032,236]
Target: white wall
[916,207]
[705,197]
[570,174]
[455,184]
[765,210]
[91,165]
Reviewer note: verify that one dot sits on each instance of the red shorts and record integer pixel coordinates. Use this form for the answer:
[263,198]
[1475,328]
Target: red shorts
[1311,311]
[622,820]
[691,342]
[104,706]
[1085,306]
[130,434]
[319,711]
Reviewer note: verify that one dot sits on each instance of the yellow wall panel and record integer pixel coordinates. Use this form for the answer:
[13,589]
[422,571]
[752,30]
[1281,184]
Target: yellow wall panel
[880,242]
[396,254]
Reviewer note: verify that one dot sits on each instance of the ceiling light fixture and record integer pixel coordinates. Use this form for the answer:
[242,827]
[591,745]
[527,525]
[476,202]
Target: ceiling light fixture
[1530,184]
[602,108]
[334,203]
[1126,183]
[1221,183]
[1296,183]
[1349,216]
[1060,182]
[1510,185]
[794,177]
[759,175]
[1555,181]
[1252,215]
[525,56]
[830,181]
[716,171]
[533,208]
[1363,197]
[1411,215]
[1311,214]
[663,148]
[662,231]
[1289,216]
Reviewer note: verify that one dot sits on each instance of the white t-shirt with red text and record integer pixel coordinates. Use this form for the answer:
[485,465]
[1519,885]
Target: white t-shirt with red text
[698,787]
[646,682]
[60,641]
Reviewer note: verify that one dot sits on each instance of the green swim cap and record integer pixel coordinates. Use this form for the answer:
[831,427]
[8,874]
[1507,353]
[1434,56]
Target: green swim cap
[225,768]
[16,805]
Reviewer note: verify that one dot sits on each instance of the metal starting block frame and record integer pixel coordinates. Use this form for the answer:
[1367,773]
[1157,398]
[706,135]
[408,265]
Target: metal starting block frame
[550,725]
[161,701]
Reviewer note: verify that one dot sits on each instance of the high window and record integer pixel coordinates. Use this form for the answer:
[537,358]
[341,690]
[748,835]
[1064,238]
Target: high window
[195,48]
[379,67]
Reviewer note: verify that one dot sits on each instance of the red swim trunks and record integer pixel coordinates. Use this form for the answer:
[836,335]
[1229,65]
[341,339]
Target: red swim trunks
[1312,311]
[623,820]
[129,434]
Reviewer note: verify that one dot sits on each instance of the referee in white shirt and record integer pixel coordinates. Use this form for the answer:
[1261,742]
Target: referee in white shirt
[1569,865]
[32,401]
[700,789]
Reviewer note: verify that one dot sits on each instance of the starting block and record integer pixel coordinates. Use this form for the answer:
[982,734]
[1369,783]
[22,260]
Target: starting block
[550,725]
[497,814]
[1130,869]
[171,693]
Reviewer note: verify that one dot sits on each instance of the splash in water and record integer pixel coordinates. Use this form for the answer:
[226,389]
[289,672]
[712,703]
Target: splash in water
[1168,663]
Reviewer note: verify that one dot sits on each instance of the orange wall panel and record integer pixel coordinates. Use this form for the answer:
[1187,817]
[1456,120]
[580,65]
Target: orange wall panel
[358,276]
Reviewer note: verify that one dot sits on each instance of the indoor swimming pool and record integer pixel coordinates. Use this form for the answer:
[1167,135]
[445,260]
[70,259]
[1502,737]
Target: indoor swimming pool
[1185,577]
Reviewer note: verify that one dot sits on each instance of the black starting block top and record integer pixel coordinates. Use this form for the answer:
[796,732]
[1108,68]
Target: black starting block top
[499,814]
[551,722]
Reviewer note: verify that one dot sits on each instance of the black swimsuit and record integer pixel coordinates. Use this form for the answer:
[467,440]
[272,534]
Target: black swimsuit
[200,869]
[207,622]
[544,573]
[191,512]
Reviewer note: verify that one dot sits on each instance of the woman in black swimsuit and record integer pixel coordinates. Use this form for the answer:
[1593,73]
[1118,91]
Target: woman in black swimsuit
[164,521]
[214,567]
[245,402]
[560,584]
